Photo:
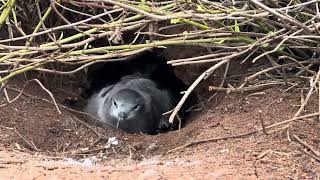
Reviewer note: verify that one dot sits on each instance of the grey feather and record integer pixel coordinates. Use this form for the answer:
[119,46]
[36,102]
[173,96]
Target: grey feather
[134,104]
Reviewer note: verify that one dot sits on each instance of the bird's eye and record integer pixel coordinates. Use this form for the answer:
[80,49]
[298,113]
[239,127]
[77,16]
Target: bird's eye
[115,104]
[136,107]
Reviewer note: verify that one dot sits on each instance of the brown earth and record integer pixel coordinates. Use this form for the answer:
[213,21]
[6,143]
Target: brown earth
[36,142]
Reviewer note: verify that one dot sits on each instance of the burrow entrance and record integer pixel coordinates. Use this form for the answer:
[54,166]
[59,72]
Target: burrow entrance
[33,122]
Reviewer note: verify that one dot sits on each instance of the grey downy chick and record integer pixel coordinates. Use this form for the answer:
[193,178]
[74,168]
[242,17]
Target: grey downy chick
[134,104]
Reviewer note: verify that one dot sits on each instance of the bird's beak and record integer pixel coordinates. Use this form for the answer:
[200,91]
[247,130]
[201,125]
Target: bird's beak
[122,116]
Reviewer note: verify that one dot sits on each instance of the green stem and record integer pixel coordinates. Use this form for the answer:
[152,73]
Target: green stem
[195,24]
[42,20]
[6,11]
[80,35]
[162,43]
[28,68]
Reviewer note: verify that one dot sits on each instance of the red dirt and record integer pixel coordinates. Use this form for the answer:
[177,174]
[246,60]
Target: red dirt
[65,148]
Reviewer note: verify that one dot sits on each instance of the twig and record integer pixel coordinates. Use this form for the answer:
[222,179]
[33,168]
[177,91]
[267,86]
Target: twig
[69,109]
[300,141]
[50,94]
[258,87]
[193,86]
[262,123]
[280,15]
[252,77]
[319,99]
[311,155]
[212,140]
[312,86]
[60,27]
[30,145]
[8,100]
[40,84]
[194,142]
[264,154]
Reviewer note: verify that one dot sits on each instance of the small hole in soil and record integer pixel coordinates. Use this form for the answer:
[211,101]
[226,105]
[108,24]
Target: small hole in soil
[137,73]
[35,118]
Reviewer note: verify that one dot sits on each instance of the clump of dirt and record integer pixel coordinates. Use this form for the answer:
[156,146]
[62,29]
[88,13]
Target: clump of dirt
[32,125]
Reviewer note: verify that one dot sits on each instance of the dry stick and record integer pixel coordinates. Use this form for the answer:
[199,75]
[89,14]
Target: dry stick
[298,62]
[203,76]
[31,145]
[208,60]
[60,27]
[62,17]
[194,142]
[212,139]
[319,99]
[193,86]
[314,83]
[6,11]
[94,61]
[6,95]
[50,94]
[189,14]
[210,40]
[272,11]
[85,124]
[41,21]
[225,74]
[73,11]
[45,89]
[277,47]
[310,155]
[199,57]
[145,13]
[264,153]
[87,4]
[60,105]
[262,123]
[300,141]
[279,129]
[300,5]
[8,100]
[82,59]
[250,78]
[245,89]
[293,119]
[46,47]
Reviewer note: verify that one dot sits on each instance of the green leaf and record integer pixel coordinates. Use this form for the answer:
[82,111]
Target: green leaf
[185,32]
[220,42]
[271,33]
[61,35]
[200,8]
[281,48]
[236,26]
[175,20]
[265,45]
[144,7]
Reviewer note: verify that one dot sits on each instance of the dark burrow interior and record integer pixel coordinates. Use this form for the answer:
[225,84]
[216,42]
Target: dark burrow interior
[150,64]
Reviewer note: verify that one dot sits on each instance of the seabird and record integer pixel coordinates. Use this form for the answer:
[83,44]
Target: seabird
[134,104]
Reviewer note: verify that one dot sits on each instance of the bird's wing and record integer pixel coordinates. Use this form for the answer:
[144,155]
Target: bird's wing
[105,91]
[162,99]
[96,101]
[92,105]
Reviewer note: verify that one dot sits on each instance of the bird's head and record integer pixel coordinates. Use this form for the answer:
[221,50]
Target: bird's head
[126,104]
